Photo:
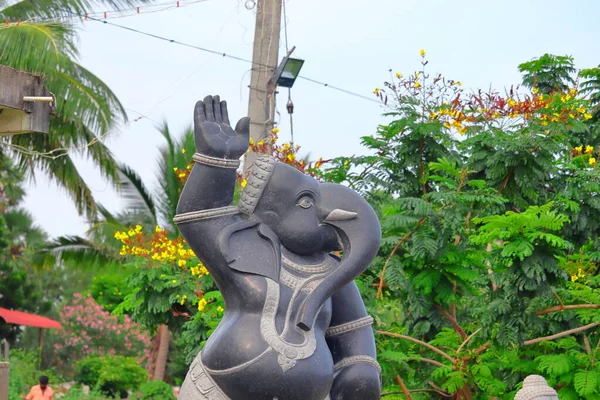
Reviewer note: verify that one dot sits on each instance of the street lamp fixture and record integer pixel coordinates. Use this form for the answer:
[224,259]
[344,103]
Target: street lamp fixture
[290,71]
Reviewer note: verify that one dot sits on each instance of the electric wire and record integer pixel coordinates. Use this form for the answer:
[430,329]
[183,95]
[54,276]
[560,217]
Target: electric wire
[225,55]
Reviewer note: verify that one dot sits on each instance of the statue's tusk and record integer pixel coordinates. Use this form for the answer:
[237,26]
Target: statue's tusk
[340,215]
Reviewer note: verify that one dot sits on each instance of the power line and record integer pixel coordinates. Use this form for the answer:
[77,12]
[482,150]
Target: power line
[225,55]
[340,89]
[172,40]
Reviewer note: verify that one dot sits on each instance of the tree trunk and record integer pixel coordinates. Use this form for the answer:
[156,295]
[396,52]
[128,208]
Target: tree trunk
[163,352]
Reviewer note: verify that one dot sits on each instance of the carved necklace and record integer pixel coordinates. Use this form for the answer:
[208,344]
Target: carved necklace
[319,268]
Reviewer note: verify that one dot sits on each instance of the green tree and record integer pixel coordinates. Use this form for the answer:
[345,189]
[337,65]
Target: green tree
[486,241]
[86,108]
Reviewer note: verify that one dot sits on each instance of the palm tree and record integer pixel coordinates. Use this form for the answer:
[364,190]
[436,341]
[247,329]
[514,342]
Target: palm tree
[86,108]
[99,247]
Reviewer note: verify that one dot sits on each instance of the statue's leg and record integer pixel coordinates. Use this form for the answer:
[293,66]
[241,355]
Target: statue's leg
[198,385]
[352,344]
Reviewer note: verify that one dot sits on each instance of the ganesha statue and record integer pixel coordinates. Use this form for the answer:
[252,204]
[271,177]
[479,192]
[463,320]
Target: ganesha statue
[295,326]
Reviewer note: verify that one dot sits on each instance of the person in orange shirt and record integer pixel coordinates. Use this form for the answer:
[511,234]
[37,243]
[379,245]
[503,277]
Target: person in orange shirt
[41,391]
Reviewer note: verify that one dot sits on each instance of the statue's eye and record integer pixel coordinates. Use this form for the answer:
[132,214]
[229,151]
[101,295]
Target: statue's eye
[305,202]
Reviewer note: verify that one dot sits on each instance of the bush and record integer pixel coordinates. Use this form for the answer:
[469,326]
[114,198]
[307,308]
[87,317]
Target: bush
[76,393]
[88,329]
[155,390]
[112,375]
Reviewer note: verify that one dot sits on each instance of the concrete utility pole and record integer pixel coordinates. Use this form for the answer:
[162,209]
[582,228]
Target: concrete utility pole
[265,56]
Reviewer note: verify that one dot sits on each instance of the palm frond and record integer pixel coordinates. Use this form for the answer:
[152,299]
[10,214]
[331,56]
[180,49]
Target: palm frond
[22,228]
[175,154]
[78,252]
[60,170]
[135,193]
[48,9]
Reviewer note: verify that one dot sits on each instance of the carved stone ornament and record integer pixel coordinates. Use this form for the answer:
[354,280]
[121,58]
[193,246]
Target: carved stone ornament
[294,326]
[536,387]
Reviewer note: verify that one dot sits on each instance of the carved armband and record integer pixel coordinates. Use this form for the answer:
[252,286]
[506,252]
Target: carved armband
[215,162]
[357,360]
[349,326]
[205,214]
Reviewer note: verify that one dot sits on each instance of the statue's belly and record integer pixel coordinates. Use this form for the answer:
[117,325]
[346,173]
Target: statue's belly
[310,378]
[245,366]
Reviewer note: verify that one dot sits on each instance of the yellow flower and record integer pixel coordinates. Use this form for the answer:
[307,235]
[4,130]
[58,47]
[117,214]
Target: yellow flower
[138,228]
[244,183]
[175,169]
[462,130]
[592,161]
[183,151]
[422,52]
[181,263]
[157,229]
[202,304]
[398,75]
[174,281]
[417,85]
[589,150]
[581,110]
[183,299]
[131,233]
[535,90]
[275,130]
[251,142]
[511,102]
[286,146]
[376,91]
[291,157]
[579,149]
[458,83]
[194,270]
[220,309]
[416,75]
[587,116]
[261,143]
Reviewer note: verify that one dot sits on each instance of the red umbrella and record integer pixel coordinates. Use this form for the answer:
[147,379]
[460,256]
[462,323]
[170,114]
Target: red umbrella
[21,318]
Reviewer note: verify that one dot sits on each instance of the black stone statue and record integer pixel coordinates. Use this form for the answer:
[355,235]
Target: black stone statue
[295,326]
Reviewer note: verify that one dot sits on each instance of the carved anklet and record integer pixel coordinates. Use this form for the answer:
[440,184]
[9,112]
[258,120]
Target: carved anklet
[215,162]
[357,360]
[349,326]
[205,214]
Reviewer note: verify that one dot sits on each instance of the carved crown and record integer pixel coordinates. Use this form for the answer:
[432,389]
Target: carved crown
[260,173]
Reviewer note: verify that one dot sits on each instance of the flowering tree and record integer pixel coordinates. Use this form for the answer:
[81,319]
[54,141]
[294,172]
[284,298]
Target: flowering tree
[489,258]
[88,329]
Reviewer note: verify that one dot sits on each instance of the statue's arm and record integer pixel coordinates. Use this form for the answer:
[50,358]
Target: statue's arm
[205,205]
[352,343]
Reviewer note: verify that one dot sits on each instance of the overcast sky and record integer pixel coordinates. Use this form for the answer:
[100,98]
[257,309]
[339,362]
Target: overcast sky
[351,44]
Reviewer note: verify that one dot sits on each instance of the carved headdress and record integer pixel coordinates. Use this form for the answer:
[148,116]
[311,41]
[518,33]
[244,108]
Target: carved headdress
[260,173]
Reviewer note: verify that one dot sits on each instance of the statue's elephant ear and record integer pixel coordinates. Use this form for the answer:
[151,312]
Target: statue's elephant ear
[251,247]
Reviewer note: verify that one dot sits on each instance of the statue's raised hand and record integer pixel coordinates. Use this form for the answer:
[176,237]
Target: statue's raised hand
[214,135]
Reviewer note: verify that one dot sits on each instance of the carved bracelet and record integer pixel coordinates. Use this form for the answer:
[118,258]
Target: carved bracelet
[205,214]
[357,360]
[349,326]
[215,162]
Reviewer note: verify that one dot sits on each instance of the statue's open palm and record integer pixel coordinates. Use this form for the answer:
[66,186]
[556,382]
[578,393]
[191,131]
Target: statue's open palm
[213,133]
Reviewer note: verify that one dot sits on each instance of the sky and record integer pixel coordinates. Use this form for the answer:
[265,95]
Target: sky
[350,44]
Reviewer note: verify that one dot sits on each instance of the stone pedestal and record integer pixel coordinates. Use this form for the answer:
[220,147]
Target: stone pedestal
[4,369]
